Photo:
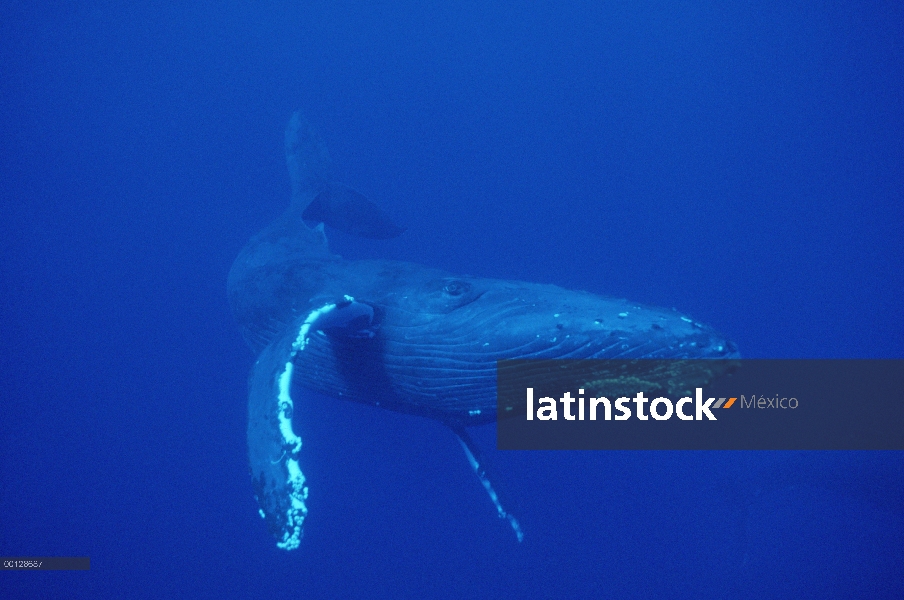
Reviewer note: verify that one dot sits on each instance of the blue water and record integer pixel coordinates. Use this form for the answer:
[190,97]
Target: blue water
[740,162]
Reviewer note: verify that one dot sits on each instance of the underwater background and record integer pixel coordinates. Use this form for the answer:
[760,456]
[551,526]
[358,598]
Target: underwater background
[741,162]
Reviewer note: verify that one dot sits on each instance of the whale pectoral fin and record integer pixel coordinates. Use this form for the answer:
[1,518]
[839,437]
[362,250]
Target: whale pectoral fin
[348,318]
[273,447]
[477,462]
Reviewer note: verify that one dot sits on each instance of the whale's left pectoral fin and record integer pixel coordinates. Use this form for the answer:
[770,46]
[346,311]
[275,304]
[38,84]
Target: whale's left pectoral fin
[273,445]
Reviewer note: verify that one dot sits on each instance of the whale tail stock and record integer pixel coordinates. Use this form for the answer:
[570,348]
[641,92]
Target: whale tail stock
[320,197]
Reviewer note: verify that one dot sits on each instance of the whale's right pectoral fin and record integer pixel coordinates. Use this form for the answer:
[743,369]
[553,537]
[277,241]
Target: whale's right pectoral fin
[273,446]
[477,462]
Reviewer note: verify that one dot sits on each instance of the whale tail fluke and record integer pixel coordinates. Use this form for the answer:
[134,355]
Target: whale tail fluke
[324,200]
[349,211]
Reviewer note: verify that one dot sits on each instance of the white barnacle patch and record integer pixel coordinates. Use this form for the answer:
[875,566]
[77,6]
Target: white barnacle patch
[622,315]
[295,480]
[285,409]
[295,515]
[686,320]
[304,331]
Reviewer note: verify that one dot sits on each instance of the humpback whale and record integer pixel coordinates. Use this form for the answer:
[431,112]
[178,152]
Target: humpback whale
[400,335]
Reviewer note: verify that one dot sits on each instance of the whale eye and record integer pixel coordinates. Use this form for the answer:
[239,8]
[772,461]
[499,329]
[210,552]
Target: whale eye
[456,288]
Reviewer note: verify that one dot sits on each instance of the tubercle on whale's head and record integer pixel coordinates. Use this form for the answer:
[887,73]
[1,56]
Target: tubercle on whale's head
[500,319]
[438,340]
